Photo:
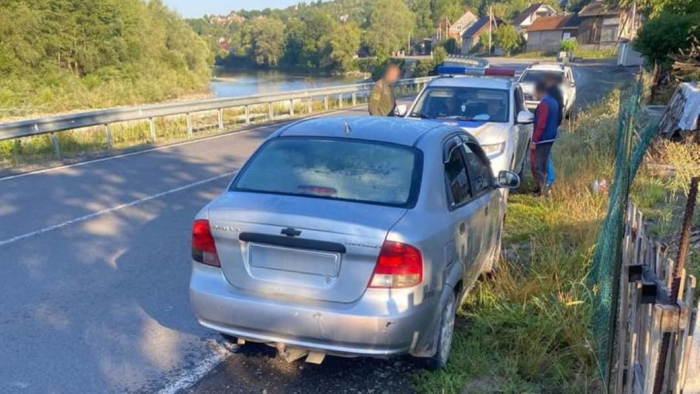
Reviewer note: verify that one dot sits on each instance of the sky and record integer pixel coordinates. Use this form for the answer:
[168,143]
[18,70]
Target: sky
[197,8]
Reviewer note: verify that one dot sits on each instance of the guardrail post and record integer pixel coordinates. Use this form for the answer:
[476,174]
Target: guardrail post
[354,99]
[56,149]
[247,114]
[325,102]
[220,114]
[189,125]
[271,110]
[152,128]
[340,100]
[291,107]
[310,105]
[108,136]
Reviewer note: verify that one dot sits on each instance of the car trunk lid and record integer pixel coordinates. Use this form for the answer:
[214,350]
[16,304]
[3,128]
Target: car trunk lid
[311,249]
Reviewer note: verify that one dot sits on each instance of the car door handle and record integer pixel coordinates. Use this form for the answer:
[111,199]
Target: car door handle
[462,228]
[486,211]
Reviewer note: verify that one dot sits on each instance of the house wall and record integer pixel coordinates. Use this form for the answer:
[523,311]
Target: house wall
[604,31]
[545,41]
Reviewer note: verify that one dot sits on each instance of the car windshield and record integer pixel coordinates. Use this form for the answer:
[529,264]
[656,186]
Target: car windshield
[361,171]
[462,103]
[533,76]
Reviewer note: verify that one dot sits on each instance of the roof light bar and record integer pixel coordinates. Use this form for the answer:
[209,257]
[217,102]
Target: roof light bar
[476,71]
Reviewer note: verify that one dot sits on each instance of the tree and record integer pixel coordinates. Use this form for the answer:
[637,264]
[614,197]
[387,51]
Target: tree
[507,38]
[439,55]
[316,39]
[267,41]
[450,46]
[666,35]
[484,42]
[344,46]
[294,43]
[424,18]
[390,24]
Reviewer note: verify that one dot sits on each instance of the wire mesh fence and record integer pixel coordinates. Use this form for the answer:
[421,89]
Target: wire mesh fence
[604,277]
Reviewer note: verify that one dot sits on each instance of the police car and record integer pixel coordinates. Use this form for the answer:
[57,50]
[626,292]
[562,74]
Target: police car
[563,75]
[491,109]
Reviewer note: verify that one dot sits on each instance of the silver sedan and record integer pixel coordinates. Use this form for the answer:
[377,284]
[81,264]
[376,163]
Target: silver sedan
[349,237]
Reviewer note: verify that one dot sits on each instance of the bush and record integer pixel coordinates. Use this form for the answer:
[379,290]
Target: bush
[450,46]
[439,55]
[569,45]
[507,38]
[423,68]
[666,35]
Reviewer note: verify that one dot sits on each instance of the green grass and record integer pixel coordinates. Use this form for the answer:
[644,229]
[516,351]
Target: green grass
[525,330]
[591,54]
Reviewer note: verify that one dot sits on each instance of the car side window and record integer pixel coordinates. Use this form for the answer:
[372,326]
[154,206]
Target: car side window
[479,171]
[458,187]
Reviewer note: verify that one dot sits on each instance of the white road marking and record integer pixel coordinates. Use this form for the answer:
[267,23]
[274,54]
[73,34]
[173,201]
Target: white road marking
[191,376]
[115,208]
[225,134]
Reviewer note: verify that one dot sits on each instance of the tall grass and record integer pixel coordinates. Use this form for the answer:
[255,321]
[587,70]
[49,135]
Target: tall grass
[526,328]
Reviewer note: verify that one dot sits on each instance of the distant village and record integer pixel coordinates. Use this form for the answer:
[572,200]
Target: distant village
[598,26]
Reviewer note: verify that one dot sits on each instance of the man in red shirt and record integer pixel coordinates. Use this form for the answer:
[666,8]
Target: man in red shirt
[544,135]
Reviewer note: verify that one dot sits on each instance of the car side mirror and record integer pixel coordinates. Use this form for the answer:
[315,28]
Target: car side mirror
[508,180]
[525,117]
[400,110]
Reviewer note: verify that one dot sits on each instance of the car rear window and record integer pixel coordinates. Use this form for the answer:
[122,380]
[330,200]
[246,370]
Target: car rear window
[360,171]
[536,76]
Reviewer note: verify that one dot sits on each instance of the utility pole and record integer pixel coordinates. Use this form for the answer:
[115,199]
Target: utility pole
[490,28]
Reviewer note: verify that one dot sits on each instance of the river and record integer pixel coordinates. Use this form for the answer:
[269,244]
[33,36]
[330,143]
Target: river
[227,83]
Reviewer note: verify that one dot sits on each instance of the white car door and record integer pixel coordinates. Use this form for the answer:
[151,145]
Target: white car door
[523,133]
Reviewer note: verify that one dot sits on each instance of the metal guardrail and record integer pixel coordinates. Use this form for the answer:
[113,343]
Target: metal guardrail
[470,60]
[106,117]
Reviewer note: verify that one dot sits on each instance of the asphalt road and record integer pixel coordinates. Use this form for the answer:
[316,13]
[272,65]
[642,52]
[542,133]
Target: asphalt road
[95,272]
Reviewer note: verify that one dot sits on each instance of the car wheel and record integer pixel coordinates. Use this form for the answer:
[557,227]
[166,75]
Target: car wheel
[445,334]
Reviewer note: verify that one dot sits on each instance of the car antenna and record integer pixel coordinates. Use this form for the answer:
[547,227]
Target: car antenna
[347,128]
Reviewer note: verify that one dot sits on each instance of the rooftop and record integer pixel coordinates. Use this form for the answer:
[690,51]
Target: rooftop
[557,22]
[520,18]
[598,8]
[382,129]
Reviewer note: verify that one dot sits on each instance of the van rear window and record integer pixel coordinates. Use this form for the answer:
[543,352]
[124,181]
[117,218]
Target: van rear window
[343,169]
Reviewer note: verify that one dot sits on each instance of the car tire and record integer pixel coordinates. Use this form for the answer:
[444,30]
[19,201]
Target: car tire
[445,335]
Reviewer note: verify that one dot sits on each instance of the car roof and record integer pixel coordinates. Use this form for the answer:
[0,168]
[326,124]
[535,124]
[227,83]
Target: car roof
[382,129]
[548,67]
[474,82]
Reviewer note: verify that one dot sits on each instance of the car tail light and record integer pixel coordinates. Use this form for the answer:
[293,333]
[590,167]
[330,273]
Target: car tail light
[398,265]
[203,246]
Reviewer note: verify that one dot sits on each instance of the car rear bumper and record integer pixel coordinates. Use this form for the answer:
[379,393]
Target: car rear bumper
[377,325]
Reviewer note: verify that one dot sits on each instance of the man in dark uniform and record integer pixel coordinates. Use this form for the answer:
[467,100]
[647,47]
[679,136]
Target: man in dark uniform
[381,99]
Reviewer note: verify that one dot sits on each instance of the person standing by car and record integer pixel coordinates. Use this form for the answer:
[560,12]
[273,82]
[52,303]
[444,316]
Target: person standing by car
[555,91]
[544,135]
[381,99]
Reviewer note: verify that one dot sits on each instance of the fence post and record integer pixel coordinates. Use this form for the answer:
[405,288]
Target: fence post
[271,111]
[310,105]
[220,115]
[354,99]
[291,107]
[340,100]
[108,136]
[152,128]
[247,114]
[189,125]
[325,102]
[56,148]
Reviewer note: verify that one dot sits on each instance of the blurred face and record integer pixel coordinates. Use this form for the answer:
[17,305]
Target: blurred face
[392,74]
[539,94]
